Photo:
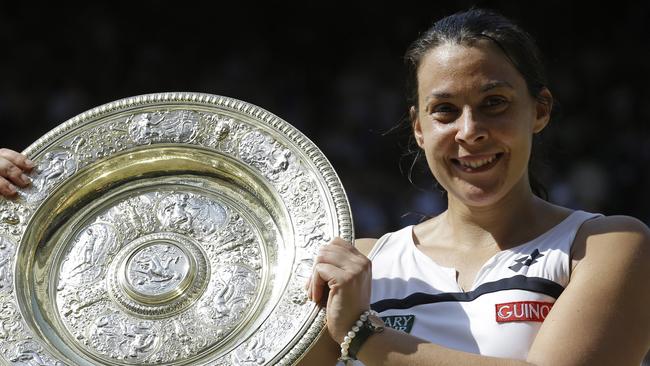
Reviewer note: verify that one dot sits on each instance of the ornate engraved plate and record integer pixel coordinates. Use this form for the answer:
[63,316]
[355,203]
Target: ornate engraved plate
[174,229]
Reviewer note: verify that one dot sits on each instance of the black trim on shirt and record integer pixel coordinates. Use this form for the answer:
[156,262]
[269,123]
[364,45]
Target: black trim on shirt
[520,282]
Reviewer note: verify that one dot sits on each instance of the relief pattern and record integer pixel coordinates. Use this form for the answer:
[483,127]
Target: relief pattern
[228,240]
[157,267]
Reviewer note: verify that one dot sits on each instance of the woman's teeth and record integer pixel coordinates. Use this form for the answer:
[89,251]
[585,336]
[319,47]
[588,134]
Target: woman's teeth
[478,163]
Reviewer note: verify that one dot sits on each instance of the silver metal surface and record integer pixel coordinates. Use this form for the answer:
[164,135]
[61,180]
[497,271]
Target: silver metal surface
[172,229]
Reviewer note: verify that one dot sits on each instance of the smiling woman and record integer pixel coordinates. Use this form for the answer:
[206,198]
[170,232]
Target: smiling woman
[502,277]
[476,116]
[517,47]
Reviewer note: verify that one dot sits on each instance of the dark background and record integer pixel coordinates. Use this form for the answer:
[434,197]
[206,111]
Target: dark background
[335,71]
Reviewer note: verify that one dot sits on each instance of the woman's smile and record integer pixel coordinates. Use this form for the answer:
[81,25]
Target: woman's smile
[476,163]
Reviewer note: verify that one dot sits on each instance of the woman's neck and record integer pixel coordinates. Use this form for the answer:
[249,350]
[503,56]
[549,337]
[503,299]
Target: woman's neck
[506,223]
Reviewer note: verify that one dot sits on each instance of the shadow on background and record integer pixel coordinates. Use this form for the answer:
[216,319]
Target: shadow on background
[335,72]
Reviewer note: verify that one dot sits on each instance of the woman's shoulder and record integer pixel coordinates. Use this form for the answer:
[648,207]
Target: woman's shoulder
[365,245]
[605,239]
[611,228]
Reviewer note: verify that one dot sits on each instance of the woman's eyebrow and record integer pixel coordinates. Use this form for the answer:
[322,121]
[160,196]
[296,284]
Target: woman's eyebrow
[496,84]
[438,95]
[488,86]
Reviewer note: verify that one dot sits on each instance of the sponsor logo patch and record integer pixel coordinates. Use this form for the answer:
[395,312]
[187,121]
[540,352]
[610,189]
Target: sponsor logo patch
[399,322]
[532,311]
[526,261]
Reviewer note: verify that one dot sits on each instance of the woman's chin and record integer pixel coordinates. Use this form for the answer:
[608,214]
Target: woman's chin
[476,196]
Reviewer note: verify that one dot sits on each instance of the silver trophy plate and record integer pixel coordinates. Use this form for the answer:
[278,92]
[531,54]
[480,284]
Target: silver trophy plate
[167,229]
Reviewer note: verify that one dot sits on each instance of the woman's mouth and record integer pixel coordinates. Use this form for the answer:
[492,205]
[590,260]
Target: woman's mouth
[477,165]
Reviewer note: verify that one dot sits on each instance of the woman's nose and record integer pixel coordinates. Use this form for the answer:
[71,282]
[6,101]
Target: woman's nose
[470,130]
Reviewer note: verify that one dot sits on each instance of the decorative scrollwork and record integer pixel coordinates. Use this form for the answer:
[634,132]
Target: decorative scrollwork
[157,268]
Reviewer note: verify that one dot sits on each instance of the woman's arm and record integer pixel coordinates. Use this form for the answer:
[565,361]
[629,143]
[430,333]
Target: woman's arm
[602,317]
[13,167]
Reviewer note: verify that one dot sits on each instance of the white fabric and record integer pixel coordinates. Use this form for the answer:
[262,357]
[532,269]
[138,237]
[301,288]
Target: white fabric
[400,269]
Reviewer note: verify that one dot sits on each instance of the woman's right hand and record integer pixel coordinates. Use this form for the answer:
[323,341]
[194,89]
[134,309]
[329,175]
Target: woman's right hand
[13,166]
[347,273]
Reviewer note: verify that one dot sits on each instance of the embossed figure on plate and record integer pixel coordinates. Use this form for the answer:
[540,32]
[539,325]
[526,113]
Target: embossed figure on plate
[252,354]
[223,127]
[53,169]
[157,269]
[6,255]
[122,338]
[55,166]
[188,213]
[263,152]
[174,126]
[88,255]
[228,299]
[134,217]
[222,132]
[30,353]
[27,353]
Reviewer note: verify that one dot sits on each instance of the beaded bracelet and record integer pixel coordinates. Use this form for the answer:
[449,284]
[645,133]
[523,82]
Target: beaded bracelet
[352,333]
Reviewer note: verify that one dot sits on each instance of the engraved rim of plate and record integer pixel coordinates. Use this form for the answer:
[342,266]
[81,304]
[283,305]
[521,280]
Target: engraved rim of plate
[331,180]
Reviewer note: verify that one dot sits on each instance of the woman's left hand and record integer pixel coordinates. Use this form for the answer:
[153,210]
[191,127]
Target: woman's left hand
[347,273]
[13,166]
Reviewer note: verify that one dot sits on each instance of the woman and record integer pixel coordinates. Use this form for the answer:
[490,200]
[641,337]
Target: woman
[502,277]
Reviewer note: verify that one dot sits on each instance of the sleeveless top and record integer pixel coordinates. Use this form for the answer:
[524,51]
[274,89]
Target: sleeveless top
[498,316]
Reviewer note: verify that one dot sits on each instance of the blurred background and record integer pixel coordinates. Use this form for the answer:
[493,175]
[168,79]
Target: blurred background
[335,71]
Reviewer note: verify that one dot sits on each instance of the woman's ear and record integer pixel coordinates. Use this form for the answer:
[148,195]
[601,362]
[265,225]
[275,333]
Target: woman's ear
[417,127]
[544,106]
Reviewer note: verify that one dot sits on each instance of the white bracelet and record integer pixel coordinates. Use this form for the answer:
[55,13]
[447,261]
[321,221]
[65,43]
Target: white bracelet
[352,333]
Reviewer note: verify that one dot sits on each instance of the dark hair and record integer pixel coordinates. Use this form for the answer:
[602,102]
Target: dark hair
[466,28]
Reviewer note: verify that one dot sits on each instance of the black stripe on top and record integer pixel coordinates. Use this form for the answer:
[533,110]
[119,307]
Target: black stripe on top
[520,282]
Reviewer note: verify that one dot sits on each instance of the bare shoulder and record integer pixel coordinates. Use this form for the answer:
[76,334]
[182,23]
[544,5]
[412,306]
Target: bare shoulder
[616,230]
[609,238]
[615,223]
[365,245]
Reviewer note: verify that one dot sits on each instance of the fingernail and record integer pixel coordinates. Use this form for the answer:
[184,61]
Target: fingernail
[25,179]
[12,189]
[29,163]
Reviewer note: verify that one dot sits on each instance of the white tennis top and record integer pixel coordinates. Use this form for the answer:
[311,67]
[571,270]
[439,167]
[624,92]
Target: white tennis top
[502,312]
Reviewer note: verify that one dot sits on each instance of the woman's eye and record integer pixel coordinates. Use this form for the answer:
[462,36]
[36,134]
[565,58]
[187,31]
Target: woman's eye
[443,108]
[444,113]
[495,102]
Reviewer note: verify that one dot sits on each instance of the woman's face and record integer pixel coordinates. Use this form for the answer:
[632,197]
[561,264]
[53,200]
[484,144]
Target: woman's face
[475,121]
